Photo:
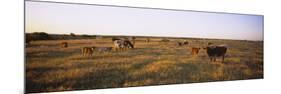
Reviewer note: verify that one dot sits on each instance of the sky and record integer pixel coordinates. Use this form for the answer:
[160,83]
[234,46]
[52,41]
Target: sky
[59,18]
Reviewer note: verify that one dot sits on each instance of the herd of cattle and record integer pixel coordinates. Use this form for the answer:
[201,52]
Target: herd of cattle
[212,50]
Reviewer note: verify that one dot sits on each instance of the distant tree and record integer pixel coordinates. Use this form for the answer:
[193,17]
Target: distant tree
[40,36]
[72,34]
[86,35]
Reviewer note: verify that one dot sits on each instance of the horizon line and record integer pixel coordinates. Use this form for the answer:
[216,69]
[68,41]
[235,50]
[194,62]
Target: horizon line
[149,36]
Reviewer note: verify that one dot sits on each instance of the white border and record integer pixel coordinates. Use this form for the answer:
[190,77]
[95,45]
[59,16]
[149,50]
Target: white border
[11,51]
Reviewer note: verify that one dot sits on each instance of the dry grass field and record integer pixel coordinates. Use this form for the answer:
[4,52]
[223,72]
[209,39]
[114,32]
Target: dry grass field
[52,68]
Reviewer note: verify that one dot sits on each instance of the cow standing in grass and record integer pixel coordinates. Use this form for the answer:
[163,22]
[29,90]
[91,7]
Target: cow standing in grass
[179,43]
[64,45]
[214,51]
[182,43]
[195,50]
[87,51]
[185,43]
[122,45]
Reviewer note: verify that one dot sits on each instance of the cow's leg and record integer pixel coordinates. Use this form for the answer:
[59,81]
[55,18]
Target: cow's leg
[214,58]
[211,58]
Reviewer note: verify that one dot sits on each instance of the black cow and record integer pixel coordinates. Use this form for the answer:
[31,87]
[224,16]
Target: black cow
[179,43]
[185,43]
[216,51]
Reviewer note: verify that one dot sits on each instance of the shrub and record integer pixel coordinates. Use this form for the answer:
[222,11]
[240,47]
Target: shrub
[72,34]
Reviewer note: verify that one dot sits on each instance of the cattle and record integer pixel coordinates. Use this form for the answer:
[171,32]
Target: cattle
[179,43]
[195,50]
[128,44]
[182,43]
[87,51]
[185,43]
[214,51]
[64,45]
[122,44]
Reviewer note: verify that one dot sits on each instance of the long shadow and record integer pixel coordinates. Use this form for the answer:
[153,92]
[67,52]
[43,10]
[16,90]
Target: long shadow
[105,78]
[33,86]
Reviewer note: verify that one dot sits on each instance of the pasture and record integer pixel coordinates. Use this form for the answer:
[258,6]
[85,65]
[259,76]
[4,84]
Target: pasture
[49,67]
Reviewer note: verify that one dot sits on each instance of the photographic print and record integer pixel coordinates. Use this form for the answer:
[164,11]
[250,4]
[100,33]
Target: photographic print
[72,46]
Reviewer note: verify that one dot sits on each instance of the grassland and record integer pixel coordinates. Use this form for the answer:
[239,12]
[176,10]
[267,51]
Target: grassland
[52,68]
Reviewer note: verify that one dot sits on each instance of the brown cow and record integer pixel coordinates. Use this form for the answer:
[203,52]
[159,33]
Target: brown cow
[214,51]
[87,51]
[195,50]
[64,45]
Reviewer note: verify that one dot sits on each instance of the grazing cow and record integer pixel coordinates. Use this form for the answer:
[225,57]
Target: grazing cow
[122,44]
[182,43]
[88,51]
[179,43]
[128,44]
[103,49]
[185,43]
[216,51]
[195,50]
[64,45]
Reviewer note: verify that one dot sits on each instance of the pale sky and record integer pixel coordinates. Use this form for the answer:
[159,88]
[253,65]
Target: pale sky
[58,18]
